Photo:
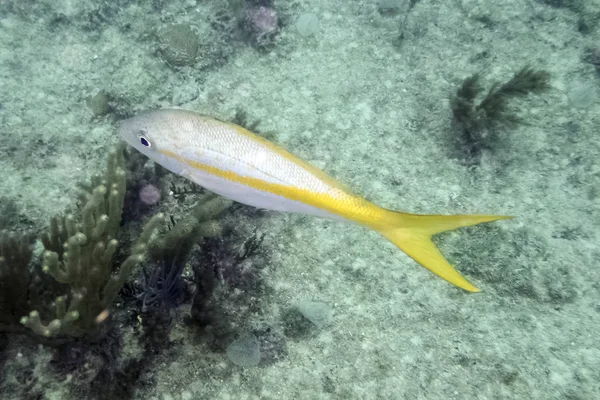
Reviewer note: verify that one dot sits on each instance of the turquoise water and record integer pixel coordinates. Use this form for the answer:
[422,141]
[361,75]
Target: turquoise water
[285,306]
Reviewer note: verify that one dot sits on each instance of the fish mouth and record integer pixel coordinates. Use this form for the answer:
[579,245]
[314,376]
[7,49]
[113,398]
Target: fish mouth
[125,130]
[122,128]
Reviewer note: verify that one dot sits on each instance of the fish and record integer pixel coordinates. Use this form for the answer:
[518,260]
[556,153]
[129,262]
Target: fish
[231,161]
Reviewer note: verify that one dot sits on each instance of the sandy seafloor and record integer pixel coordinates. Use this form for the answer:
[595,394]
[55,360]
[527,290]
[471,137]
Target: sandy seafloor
[376,116]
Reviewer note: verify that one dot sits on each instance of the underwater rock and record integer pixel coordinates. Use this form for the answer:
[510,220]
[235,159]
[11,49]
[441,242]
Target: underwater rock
[244,351]
[307,25]
[302,319]
[582,94]
[318,313]
[99,103]
[179,45]
[261,24]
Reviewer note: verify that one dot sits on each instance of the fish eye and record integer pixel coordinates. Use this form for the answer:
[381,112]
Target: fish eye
[144,140]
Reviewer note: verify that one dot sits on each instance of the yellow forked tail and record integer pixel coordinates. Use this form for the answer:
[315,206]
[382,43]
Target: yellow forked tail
[412,234]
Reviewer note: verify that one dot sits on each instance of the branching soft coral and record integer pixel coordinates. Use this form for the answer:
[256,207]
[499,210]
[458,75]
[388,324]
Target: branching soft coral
[171,251]
[478,122]
[80,253]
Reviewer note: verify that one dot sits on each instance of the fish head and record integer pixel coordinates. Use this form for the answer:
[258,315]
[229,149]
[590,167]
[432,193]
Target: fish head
[154,135]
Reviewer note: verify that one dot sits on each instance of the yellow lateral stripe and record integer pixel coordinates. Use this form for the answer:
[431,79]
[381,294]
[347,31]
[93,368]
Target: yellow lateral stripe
[292,158]
[350,207]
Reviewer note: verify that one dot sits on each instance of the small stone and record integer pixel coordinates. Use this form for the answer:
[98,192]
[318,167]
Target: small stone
[244,351]
[318,313]
[307,25]
[179,45]
[99,103]
[582,94]
[306,318]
